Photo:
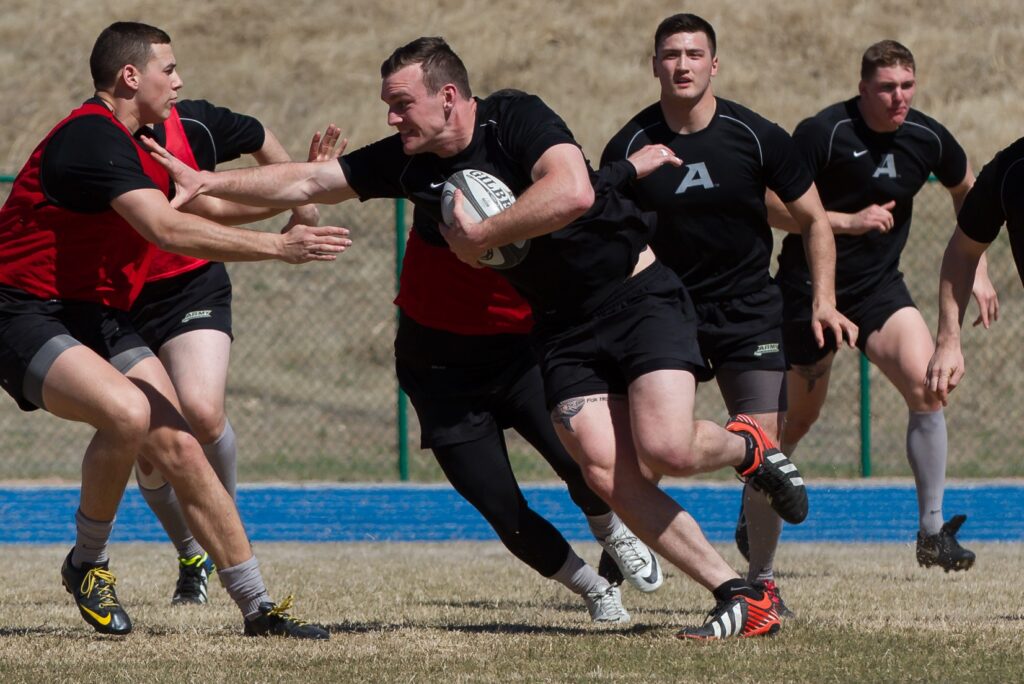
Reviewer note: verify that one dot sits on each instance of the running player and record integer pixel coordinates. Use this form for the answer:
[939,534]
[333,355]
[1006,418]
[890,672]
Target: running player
[713,232]
[996,198]
[76,231]
[184,315]
[614,332]
[869,156]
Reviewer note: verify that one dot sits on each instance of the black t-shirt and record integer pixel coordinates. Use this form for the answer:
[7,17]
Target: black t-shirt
[215,134]
[854,167]
[88,163]
[997,198]
[712,221]
[567,273]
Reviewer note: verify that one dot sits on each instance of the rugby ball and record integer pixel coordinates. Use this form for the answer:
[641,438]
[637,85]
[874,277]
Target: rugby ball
[483,196]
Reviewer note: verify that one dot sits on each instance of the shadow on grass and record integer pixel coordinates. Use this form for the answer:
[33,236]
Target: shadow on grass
[550,630]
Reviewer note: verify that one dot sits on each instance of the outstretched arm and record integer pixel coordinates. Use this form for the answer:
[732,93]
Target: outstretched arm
[148,211]
[278,185]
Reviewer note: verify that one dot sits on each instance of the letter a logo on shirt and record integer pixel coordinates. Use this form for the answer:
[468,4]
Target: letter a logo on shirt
[696,175]
[886,168]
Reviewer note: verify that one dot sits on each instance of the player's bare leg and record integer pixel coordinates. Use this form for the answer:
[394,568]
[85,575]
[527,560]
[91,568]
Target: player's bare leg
[596,431]
[901,349]
[806,390]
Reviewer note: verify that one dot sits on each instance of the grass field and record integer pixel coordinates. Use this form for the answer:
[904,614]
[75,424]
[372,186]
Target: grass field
[469,612]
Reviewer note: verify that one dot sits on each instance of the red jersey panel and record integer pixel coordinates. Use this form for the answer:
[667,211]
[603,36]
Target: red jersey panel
[168,264]
[439,291]
[54,253]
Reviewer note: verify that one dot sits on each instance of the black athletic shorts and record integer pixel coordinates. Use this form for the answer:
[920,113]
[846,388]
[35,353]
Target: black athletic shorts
[463,386]
[647,324]
[34,332]
[196,300]
[744,333]
[868,310]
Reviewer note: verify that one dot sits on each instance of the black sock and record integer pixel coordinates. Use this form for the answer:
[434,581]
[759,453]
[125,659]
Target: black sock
[726,590]
[748,458]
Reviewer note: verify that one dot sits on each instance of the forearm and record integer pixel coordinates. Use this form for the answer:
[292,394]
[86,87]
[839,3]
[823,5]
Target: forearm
[820,247]
[278,185]
[198,237]
[227,212]
[548,205]
[955,283]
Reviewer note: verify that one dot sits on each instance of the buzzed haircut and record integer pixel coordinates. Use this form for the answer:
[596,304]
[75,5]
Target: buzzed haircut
[439,62]
[121,43]
[685,23]
[885,53]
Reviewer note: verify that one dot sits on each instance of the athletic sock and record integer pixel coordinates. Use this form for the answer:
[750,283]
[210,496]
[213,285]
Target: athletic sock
[726,590]
[164,504]
[926,451]
[244,585]
[764,526]
[90,540]
[579,577]
[603,525]
[222,453]
[748,456]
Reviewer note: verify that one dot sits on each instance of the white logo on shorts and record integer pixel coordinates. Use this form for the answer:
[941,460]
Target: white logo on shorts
[192,315]
[770,348]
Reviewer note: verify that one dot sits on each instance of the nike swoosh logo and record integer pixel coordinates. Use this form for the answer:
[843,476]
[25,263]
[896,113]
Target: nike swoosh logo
[860,154]
[103,620]
[435,186]
[652,578]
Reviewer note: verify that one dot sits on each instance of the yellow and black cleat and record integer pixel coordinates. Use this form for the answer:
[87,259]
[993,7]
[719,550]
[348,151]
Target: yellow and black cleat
[272,620]
[93,590]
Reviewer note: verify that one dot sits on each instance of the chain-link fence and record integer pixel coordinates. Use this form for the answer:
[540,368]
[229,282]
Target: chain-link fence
[312,393]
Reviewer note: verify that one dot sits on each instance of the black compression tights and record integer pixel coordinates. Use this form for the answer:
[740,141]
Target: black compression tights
[480,472]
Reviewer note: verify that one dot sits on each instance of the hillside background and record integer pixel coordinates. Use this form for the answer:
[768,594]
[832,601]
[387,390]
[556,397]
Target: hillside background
[312,391]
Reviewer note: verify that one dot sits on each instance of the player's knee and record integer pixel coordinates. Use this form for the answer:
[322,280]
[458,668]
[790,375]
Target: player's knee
[127,417]
[174,451]
[672,454]
[206,418]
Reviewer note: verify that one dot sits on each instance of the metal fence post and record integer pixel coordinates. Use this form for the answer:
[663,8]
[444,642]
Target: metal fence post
[402,400]
[865,416]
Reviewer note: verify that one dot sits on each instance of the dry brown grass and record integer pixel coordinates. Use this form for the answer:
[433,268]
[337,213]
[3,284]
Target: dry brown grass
[469,612]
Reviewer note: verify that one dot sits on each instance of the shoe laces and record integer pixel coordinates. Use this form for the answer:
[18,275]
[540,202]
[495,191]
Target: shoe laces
[605,602]
[627,549]
[103,581]
[279,611]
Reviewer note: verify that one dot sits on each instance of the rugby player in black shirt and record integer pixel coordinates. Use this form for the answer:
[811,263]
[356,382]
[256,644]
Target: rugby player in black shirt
[713,232]
[997,198]
[614,333]
[869,156]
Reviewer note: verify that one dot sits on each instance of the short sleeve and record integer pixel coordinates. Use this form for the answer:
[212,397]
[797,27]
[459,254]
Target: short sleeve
[529,128]
[230,134]
[90,162]
[812,141]
[375,170]
[952,166]
[785,172]
[982,215]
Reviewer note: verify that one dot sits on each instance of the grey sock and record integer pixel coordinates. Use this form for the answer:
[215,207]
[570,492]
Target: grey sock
[90,540]
[222,454]
[244,585]
[164,503]
[604,524]
[579,577]
[926,451]
[764,526]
